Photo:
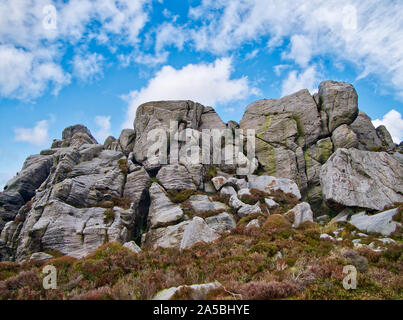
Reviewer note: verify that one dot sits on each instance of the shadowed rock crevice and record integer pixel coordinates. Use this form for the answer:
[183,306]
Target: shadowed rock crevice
[315,156]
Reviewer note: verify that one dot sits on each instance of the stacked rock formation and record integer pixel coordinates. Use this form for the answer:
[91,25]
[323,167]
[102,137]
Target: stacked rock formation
[315,156]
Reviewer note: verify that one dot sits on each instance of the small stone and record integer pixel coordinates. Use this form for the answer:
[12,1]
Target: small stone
[218,182]
[132,246]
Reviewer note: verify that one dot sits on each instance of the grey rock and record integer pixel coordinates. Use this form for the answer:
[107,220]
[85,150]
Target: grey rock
[72,231]
[344,137]
[169,237]
[302,213]
[366,134]
[175,177]
[227,191]
[326,236]
[218,182]
[340,101]
[271,204]
[197,231]
[296,110]
[343,216]
[40,256]
[137,184]
[196,291]
[162,211]
[270,184]
[132,246]
[385,137]
[355,178]
[158,115]
[235,203]
[202,203]
[253,223]
[247,209]
[112,144]
[379,223]
[126,140]
[221,223]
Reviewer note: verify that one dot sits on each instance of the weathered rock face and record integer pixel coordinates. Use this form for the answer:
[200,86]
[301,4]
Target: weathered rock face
[79,194]
[366,133]
[340,101]
[197,231]
[379,223]
[283,128]
[162,211]
[355,178]
[176,177]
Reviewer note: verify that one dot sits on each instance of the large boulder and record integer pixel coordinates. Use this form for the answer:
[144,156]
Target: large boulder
[162,211]
[366,133]
[222,222]
[355,178]
[202,204]
[379,223]
[271,184]
[197,231]
[340,101]
[168,237]
[175,177]
[344,137]
[302,213]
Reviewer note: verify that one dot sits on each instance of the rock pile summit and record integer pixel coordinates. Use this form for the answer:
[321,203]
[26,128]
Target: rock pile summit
[317,157]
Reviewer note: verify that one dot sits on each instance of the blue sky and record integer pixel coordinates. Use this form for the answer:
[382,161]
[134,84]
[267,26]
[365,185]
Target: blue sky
[93,62]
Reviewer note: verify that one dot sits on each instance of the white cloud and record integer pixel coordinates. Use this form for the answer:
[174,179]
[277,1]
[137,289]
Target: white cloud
[209,84]
[37,135]
[23,76]
[168,34]
[34,53]
[301,50]
[88,67]
[104,131]
[394,123]
[251,54]
[366,33]
[307,79]
[278,69]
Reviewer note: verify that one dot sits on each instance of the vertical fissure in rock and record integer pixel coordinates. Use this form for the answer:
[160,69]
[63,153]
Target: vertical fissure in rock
[141,217]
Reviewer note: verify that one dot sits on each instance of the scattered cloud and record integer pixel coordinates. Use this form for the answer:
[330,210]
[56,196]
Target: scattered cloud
[209,84]
[278,69]
[252,54]
[88,67]
[38,135]
[104,131]
[307,79]
[362,32]
[394,123]
[31,53]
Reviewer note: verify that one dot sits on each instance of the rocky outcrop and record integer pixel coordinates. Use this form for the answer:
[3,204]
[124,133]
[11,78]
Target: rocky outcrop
[79,194]
[354,178]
